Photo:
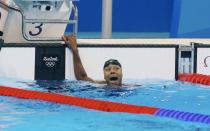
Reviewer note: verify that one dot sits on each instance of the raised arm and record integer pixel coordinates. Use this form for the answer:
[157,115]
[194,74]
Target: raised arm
[79,70]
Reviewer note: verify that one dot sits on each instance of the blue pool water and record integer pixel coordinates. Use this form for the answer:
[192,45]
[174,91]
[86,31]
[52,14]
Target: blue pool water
[32,115]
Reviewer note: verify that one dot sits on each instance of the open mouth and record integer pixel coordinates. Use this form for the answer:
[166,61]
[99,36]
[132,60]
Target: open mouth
[113,78]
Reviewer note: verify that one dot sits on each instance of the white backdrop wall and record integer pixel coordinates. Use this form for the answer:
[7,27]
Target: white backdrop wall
[137,63]
[17,62]
[203,61]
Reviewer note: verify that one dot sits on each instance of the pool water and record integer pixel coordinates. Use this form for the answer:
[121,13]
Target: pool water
[32,115]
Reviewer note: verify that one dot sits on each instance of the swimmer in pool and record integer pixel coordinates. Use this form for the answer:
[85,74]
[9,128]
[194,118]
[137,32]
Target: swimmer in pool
[112,68]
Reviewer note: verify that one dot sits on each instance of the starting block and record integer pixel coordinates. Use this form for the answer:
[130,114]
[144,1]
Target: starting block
[27,21]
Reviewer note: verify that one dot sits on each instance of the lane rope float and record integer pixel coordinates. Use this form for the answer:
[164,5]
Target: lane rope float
[102,105]
[195,78]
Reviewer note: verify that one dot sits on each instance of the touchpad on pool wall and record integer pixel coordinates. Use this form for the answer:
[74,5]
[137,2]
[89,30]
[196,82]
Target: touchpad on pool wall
[50,63]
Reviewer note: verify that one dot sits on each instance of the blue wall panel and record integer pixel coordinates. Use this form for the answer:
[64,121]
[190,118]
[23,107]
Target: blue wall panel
[191,19]
[90,15]
[90,12]
[182,18]
[142,15]
[128,15]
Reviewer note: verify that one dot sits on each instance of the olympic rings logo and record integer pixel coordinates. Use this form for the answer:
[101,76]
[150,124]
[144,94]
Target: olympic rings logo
[50,62]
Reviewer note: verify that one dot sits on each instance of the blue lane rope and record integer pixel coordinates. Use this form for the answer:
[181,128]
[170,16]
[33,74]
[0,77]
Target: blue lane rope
[185,116]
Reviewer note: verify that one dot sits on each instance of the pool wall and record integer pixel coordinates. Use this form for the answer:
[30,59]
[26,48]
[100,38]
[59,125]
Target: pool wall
[138,60]
[202,58]
[54,61]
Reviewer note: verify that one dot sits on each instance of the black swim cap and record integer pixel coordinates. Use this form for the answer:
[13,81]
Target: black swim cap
[113,62]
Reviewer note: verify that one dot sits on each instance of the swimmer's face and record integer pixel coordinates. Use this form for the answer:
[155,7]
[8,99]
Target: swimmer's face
[113,75]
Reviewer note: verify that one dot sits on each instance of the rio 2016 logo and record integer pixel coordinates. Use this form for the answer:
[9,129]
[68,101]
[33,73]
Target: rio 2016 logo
[50,61]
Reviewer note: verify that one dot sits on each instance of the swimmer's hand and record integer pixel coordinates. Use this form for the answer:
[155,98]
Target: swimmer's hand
[70,41]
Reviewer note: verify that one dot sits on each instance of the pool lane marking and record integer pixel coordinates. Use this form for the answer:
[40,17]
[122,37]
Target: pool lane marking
[102,105]
[195,78]
[77,101]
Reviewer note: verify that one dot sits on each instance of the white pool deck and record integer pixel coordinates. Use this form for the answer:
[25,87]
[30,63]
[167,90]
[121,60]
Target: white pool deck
[144,41]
